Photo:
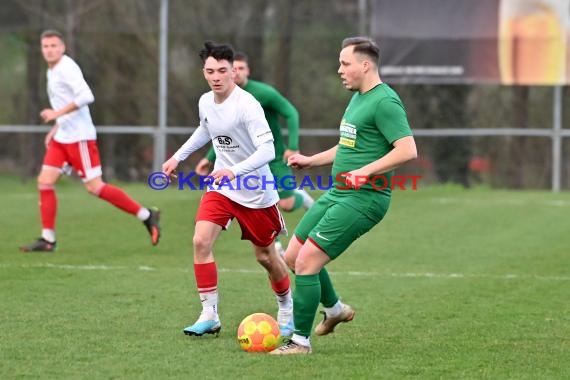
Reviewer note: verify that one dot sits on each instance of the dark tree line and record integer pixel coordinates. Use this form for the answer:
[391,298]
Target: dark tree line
[292,44]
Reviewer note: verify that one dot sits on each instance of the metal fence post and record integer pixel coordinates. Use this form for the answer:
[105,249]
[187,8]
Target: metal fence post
[557,139]
[161,132]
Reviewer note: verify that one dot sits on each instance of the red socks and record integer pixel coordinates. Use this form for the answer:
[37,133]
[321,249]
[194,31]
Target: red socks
[48,206]
[206,277]
[281,287]
[119,199]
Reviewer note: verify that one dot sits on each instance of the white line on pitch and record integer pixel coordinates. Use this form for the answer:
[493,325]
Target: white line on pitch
[512,202]
[337,273]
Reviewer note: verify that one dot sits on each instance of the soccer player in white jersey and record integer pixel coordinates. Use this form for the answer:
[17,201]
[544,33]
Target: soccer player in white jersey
[235,123]
[72,141]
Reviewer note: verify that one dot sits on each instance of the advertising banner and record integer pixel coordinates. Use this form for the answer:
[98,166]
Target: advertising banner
[523,42]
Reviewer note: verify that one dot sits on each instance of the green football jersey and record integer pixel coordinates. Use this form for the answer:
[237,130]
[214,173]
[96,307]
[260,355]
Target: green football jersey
[371,123]
[274,105]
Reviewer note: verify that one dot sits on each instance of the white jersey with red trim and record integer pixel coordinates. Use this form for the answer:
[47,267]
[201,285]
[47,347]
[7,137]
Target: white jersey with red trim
[65,84]
[237,128]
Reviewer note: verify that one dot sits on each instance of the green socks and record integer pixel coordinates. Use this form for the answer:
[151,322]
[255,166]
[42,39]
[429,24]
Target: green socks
[328,295]
[305,302]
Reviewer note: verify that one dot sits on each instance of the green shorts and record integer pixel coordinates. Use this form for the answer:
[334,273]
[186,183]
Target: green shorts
[334,223]
[284,176]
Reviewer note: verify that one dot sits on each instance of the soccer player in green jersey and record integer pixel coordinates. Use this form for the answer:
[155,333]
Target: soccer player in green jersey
[375,138]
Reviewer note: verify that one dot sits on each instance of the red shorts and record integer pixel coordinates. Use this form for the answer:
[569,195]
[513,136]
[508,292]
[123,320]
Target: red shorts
[83,156]
[258,225]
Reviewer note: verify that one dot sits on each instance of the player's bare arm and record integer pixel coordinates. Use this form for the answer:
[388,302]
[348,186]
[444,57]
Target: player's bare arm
[300,161]
[404,151]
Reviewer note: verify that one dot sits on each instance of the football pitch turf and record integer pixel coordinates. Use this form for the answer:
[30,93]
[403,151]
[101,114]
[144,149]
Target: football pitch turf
[453,284]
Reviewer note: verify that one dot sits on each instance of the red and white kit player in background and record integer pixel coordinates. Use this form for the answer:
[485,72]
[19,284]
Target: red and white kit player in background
[235,122]
[72,140]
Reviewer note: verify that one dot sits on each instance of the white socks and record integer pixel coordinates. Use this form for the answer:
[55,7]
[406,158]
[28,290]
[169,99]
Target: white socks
[48,235]
[335,310]
[285,301]
[209,306]
[143,214]
[301,340]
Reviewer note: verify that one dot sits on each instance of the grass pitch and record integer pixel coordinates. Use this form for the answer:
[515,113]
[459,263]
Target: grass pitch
[452,284]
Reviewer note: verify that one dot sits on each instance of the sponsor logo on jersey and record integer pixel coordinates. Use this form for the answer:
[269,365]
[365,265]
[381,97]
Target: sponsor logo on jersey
[223,140]
[347,134]
[224,144]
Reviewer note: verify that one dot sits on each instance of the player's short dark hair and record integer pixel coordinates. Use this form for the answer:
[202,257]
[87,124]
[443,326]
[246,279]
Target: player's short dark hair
[52,33]
[241,56]
[364,45]
[217,51]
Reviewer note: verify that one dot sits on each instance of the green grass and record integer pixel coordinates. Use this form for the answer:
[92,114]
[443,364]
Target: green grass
[452,284]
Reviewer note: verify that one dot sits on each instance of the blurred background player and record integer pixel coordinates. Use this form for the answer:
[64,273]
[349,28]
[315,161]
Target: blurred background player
[246,148]
[72,141]
[375,138]
[274,105]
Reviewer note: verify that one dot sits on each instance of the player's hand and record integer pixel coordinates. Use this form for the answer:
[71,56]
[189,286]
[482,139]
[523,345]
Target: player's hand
[288,153]
[169,168]
[355,179]
[48,115]
[299,161]
[203,167]
[221,174]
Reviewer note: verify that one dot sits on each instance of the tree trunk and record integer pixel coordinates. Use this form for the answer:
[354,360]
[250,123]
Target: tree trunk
[285,32]
[31,145]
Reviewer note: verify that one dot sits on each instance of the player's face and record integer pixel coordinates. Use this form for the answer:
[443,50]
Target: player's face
[241,72]
[351,69]
[52,49]
[219,75]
